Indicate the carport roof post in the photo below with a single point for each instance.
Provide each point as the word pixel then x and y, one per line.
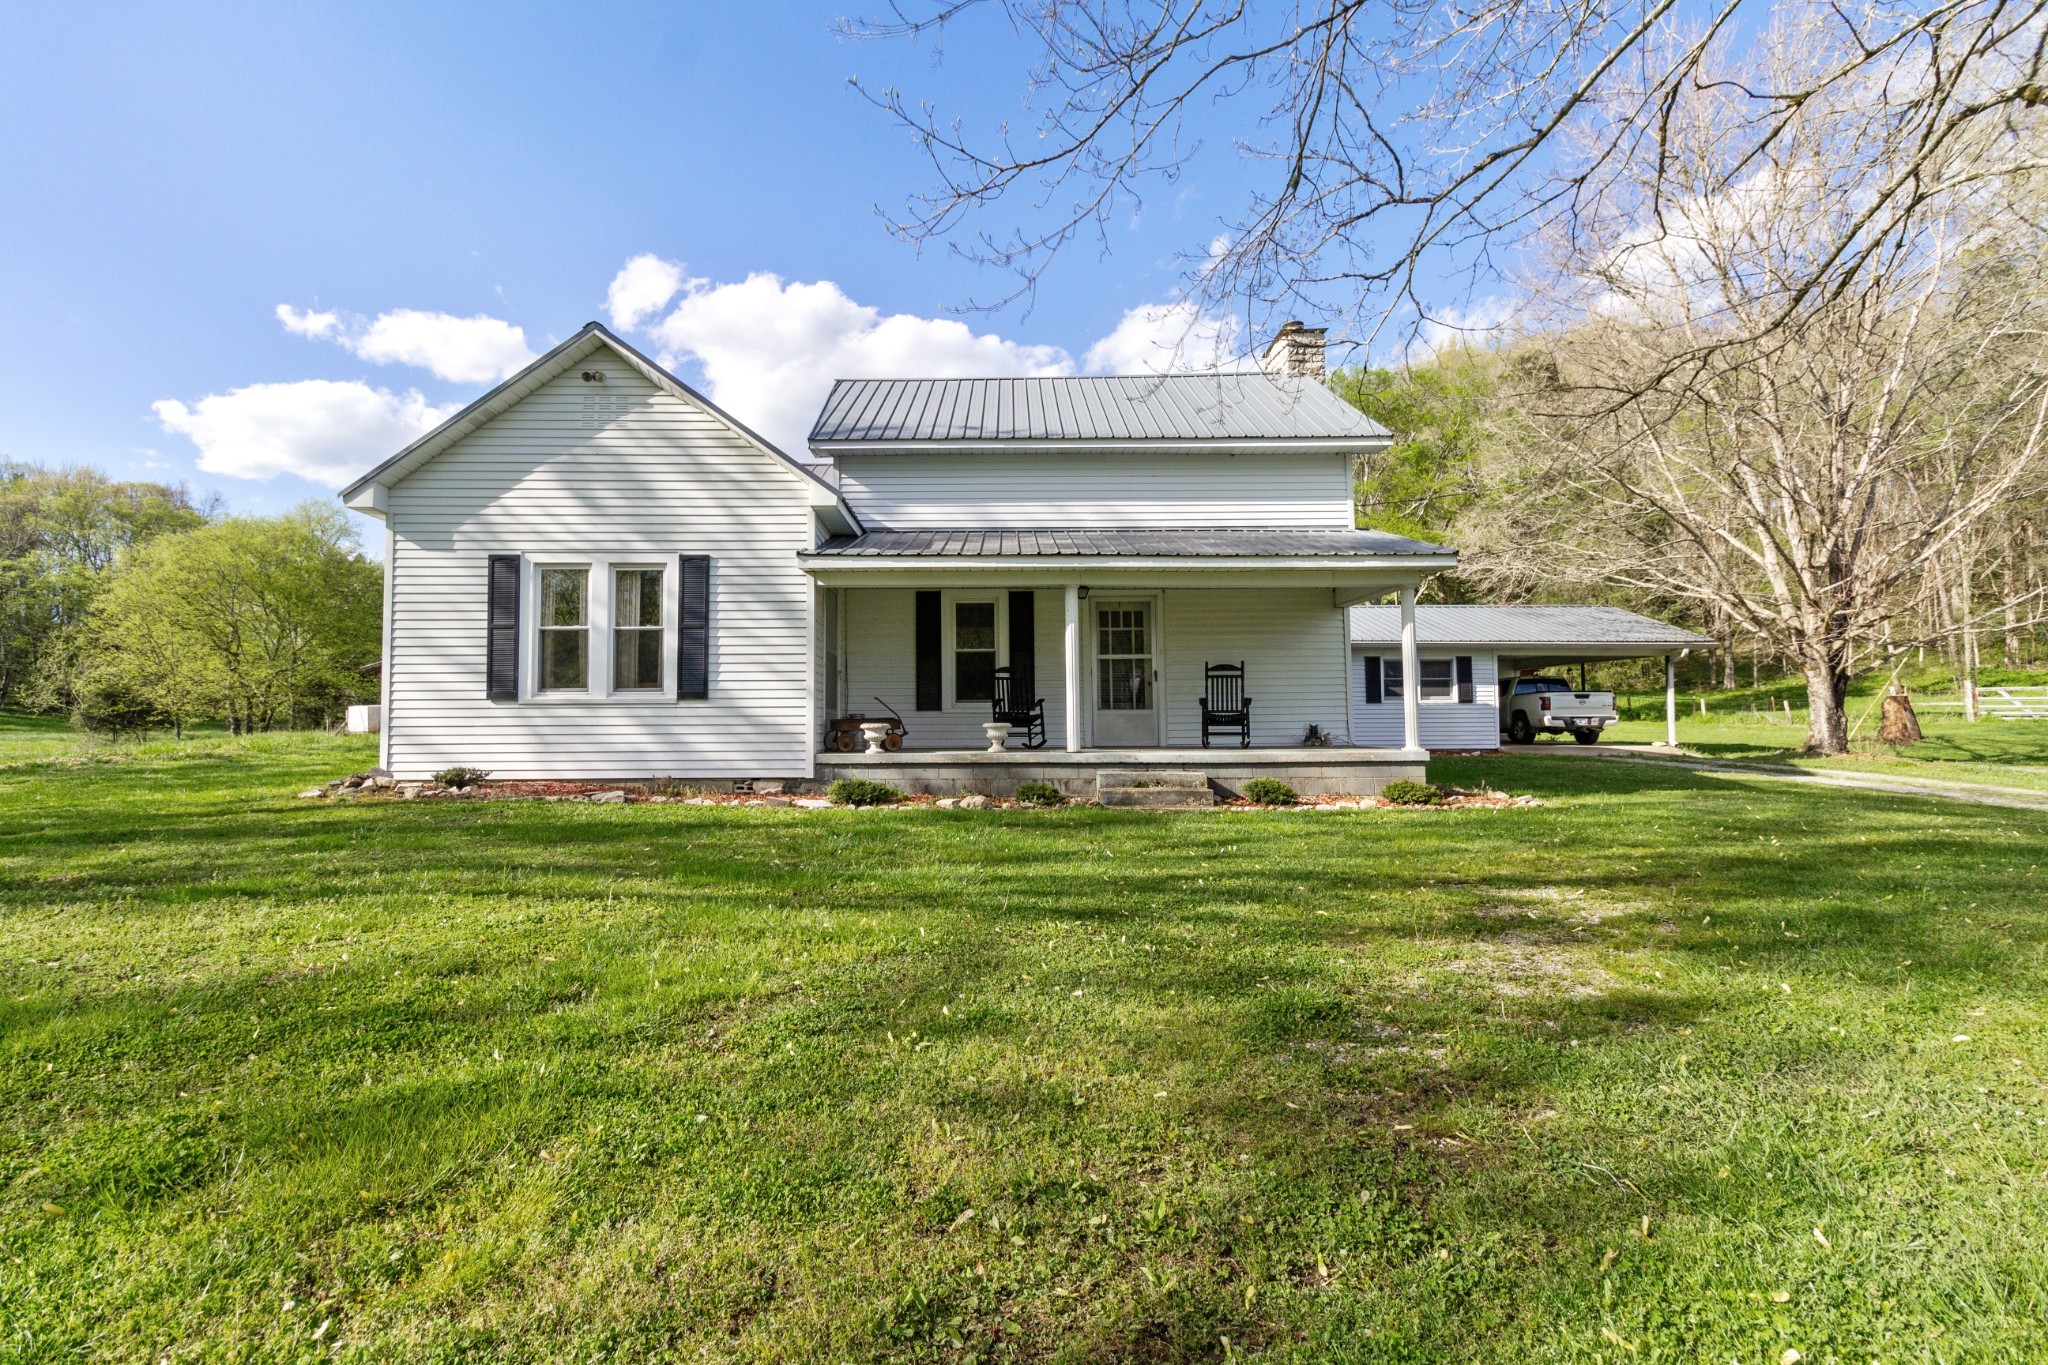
pixel 1671 697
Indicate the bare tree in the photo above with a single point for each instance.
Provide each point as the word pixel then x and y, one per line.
pixel 1805 463
pixel 1404 139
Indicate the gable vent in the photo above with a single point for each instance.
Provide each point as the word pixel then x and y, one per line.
pixel 602 409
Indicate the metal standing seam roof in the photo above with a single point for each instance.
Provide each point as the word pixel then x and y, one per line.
pixel 1244 406
pixel 1264 543
pixel 1543 626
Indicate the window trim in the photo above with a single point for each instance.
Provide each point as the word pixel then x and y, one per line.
pixel 664 641
pixel 540 628
pixel 598 613
pixel 1390 668
pixel 949 686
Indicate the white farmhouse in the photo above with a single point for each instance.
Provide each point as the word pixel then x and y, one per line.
pixel 592 571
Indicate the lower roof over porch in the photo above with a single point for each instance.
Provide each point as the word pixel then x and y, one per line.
pixel 1249 555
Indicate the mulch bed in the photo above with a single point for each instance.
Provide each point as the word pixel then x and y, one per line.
pixel 630 793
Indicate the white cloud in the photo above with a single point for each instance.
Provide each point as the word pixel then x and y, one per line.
pixel 641 289
pixel 1165 338
pixel 308 323
pixel 325 430
pixel 1447 328
pixel 476 350
pixel 769 349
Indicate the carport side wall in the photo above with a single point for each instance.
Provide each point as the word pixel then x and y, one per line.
pixel 1444 724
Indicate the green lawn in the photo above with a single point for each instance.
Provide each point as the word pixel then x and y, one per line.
pixel 2001 753
pixel 1672 1068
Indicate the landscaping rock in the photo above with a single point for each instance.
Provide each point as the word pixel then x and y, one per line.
pixel 813 803
pixel 313 792
pixel 699 801
pixel 946 802
pixel 611 798
pixel 976 801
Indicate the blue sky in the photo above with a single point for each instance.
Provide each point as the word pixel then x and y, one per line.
pixel 426 193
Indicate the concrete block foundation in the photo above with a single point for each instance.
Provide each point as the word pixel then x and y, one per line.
pixel 1312 772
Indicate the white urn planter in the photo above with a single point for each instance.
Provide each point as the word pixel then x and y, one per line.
pixel 998 732
pixel 876 731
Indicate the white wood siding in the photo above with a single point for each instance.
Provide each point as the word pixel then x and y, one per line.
pixel 575 470
pixel 1445 724
pixel 1291 641
pixel 1102 489
pixel 881 661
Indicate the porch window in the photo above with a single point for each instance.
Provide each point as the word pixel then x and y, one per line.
pixel 1123 659
pixel 1439 680
pixel 974 651
pixel 565 629
pixel 636 630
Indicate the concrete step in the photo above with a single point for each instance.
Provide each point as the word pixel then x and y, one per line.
pixel 1154 789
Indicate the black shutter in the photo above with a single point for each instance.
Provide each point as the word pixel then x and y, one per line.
pixel 501 635
pixel 1465 678
pixel 930 687
pixel 693 629
pixel 1023 646
pixel 1375 693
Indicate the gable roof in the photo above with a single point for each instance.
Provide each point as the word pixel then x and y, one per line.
pixel 1247 407
pixel 593 337
pixel 1546 629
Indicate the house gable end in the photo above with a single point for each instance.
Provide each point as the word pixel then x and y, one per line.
pixel 594 351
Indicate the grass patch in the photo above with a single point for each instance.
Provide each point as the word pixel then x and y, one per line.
pixel 412 1081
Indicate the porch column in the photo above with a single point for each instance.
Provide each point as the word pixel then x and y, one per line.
pixel 1671 700
pixel 1411 676
pixel 1073 667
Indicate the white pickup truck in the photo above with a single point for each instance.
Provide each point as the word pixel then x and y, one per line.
pixel 1535 705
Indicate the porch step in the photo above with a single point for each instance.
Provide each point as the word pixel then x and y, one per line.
pixel 1154 788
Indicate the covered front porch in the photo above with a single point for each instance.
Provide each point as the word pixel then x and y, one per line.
pixel 1114 654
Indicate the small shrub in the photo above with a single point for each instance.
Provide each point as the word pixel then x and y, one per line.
pixel 671 786
pixel 1039 794
pixel 1402 792
pixel 108 706
pixel 1269 791
pixel 460 778
pixel 859 791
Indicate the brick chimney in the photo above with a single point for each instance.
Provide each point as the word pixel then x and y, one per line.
pixel 1295 352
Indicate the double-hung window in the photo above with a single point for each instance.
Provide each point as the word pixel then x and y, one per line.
pixel 1439 680
pixel 605 628
pixel 974 651
pixel 565 629
pixel 636 630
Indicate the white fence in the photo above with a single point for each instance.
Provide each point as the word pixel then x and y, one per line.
pixel 1999 703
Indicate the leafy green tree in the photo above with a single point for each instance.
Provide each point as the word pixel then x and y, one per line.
pixel 61 530
pixel 1439 414
pixel 262 622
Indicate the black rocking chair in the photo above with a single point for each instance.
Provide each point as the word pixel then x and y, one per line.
pixel 1226 708
pixel 1013 709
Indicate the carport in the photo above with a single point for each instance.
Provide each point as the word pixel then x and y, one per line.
pixel 1488 645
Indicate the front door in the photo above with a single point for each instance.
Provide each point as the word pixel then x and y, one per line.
pixel 1126 674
